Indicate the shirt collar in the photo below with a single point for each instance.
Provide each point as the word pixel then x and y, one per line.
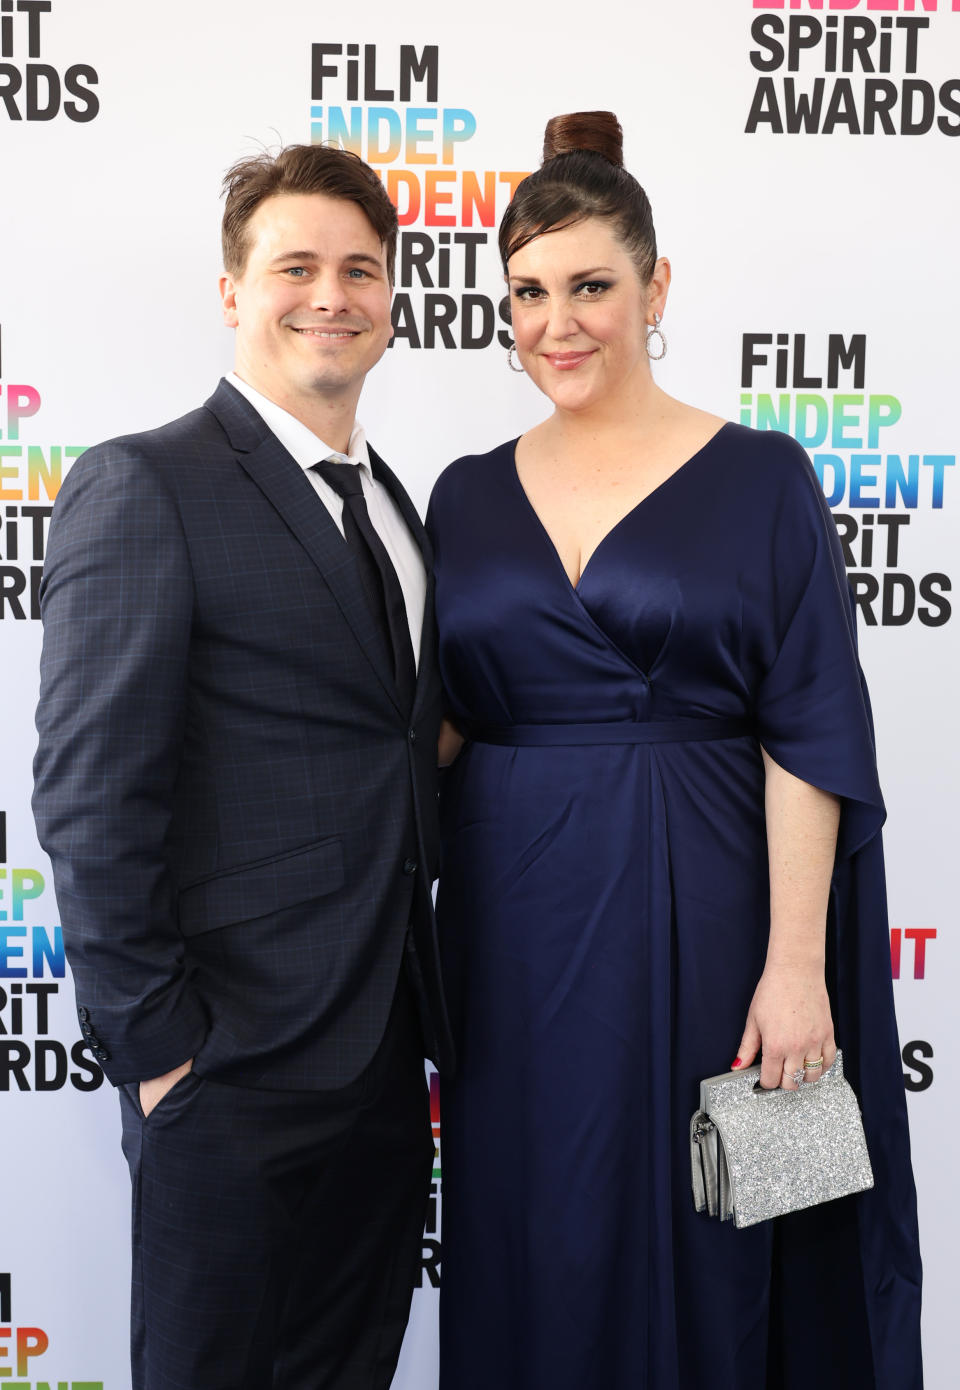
pixel 299 441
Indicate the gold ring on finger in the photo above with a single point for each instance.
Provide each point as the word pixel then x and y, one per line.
pixel 813 1066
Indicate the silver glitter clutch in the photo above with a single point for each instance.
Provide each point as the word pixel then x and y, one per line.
pixel 756 1154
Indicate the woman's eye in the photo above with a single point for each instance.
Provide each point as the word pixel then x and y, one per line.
pixel 528 293
pixel 592 289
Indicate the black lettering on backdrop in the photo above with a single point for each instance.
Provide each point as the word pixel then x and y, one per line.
pixel 45 1066
pixel 443 320
pixel 418 251
pixel 36 91
pixel 32 10
pixel 440 320
pixel 13 587
pixel 45 1063
pixel 412 67
pixel 430 1262
pixel 12 998
pixel 77 81
pixel 911 1054
pixel 38 517
pixel 897 594
pixel 846 73
pixel 852 44
pixel 842 355
pixel 862 531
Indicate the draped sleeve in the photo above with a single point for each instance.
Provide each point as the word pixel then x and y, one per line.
pixel 811 705
pixel 813 718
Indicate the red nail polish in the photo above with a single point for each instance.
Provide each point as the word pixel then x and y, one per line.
pixel 736 1063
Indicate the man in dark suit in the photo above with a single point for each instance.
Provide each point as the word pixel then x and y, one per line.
pixel 236 785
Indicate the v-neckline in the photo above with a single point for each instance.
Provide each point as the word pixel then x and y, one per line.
pixel 512 457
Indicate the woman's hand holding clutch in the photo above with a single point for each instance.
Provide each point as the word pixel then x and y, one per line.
pixel 790 1024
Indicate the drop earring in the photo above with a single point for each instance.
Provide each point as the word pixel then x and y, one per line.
pixel 511 363
pixel 656 332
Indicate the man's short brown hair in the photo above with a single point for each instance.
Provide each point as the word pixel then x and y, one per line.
pixel 302 169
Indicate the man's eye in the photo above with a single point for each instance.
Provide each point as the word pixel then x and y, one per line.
pixel 358 272
pixel 296 271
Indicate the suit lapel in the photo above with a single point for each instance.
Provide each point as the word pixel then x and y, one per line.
pixel 408 511
pixel 428 643
pixel 282 481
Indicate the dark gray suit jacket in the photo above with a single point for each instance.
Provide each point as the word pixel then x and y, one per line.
pixel 240 816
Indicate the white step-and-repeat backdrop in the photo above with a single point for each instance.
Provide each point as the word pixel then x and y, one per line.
pixel 802 159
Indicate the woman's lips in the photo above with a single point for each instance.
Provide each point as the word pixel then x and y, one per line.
pixel 566 361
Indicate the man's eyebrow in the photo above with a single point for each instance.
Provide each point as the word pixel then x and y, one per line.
pixel 355 257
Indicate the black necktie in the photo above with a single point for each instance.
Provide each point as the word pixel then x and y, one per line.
pixel 376 570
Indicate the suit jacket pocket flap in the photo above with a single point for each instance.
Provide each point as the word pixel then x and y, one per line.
pixel 258 890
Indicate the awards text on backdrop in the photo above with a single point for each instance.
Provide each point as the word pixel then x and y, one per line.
pixel 866 82
pixel 32 90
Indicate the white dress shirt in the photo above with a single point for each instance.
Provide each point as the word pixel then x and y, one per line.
pixel 307 449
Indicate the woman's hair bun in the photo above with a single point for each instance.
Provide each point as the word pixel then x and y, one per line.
pixel 591 132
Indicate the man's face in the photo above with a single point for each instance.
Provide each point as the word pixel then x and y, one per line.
pixel 312 305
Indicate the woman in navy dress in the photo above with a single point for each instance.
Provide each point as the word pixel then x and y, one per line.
pixel 662 853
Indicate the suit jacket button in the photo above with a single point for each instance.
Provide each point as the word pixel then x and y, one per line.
pixel 412 735
pixel 102 1055
pixel 409 866
pixel 83 1013
pixel 86 1029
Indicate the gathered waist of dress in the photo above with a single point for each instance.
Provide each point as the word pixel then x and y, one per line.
pixel 622 731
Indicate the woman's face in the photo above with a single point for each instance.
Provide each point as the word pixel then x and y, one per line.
pixel 581 314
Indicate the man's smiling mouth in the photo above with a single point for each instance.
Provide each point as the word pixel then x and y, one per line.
pixel 328 333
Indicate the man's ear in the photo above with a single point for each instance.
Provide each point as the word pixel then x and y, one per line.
pixel 228 297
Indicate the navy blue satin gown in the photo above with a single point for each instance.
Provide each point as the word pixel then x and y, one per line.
pixel 604 916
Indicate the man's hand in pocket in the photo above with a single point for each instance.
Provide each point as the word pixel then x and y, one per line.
pixel 152 1092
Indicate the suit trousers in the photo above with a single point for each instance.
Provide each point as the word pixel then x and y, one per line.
pixel 277 1234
